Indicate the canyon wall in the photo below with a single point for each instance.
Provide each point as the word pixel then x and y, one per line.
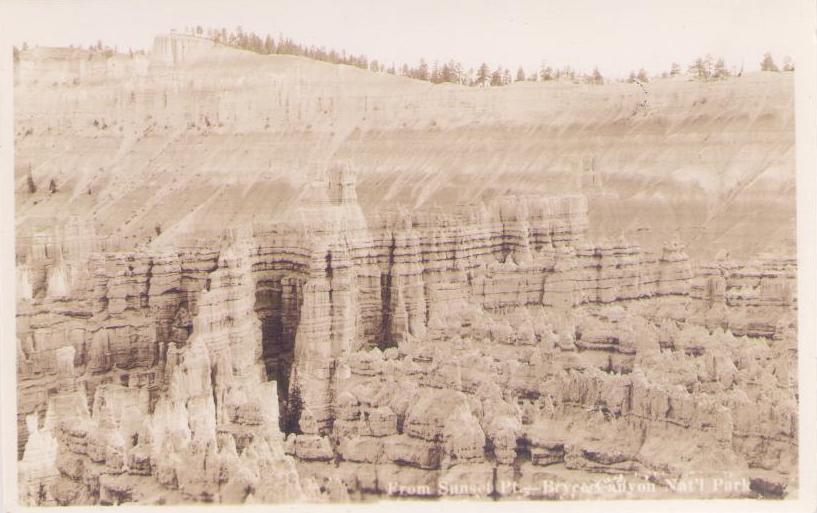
pixel 246 278
pixel 362 343
pixel 221 135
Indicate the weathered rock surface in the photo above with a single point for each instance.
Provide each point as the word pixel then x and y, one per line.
pixel 198 137
pixel 446 347
pixel 352 348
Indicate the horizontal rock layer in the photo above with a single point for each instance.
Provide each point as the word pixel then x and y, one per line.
pixel 335 332
pixel 196 322
pixel 156 140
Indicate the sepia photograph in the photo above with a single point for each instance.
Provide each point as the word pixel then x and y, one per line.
pixel 436 253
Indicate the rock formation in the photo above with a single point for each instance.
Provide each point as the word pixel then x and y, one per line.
pixel 421 348
pixel 346 344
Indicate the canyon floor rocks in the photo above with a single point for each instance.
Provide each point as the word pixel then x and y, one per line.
pixel 249 288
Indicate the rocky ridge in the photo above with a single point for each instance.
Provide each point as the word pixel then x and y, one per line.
pixel 196 138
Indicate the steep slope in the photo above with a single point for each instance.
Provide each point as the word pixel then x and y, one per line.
pixel 199 138
pixel 248 278
pixel 489 344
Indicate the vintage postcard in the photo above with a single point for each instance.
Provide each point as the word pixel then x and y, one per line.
pixel 533 254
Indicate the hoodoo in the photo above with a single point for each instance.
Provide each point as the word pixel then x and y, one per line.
pixel 337 331
pixel 294 280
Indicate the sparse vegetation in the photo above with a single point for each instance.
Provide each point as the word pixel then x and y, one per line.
pixel 437 72
pixel 483 75
pixel 452 71
pixel 701 69
pixel 707 68
pixel 640 77
pixel 596 78
pixel 720 70
pixel 675 69
pixel 32 187
pixel 768 64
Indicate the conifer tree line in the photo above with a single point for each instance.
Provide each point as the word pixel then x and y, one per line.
pixel 703 68
pixel 436 72
pixel 708 68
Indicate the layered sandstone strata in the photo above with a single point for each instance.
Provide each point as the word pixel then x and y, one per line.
pixel 330 356
pixel 198 137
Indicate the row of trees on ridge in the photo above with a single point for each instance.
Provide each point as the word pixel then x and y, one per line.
pixel 703 68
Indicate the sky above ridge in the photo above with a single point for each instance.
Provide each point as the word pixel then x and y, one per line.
pixel 617 36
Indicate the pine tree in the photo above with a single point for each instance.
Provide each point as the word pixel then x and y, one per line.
pixel 788 65
pixel 520 74
pixel 269 45
pixel 642 76
pixel 675 69
pixel 483 75
pixel 506 77
pixel 709 64
pixel 445 73
pixel 767 64
pixel 496 77
pixel 596 77
pixel 546 73
pixel 720 70
pixel 700 69
pixel 422 70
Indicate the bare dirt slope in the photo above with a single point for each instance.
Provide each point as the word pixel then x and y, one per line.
pixel 197 138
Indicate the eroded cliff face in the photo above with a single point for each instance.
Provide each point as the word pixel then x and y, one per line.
pixel 266 279
pixel 331 357
pixel 198 138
